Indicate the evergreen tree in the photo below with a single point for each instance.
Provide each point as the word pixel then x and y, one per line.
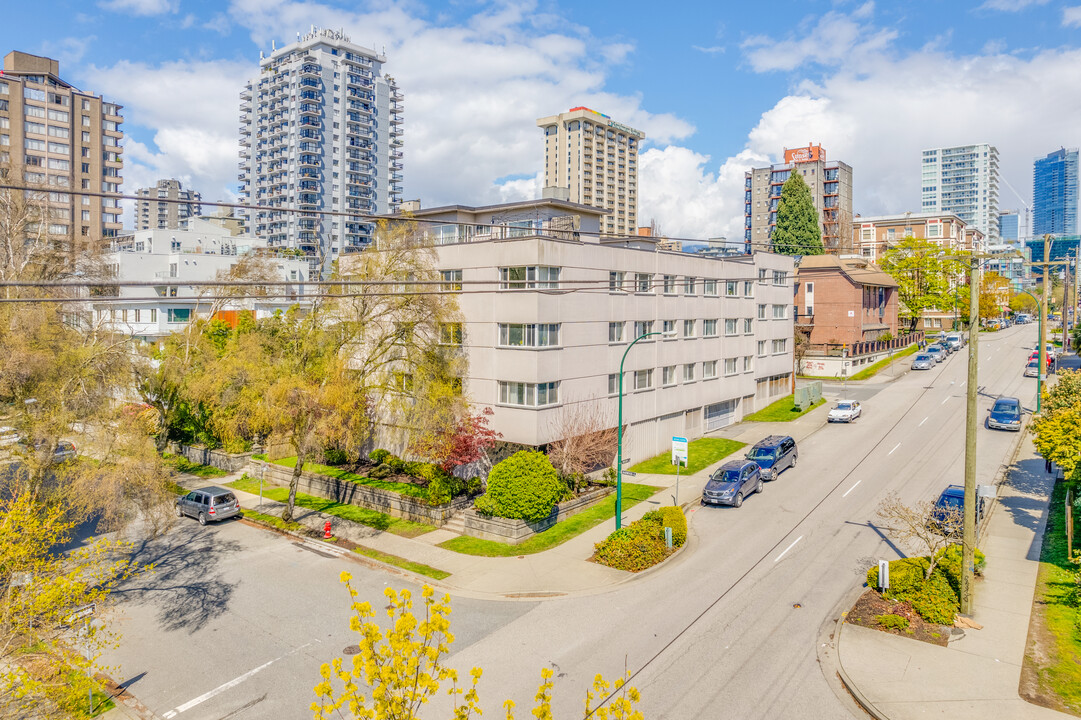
pixel 798 231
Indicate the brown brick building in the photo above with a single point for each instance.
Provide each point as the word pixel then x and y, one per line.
pixel 844 299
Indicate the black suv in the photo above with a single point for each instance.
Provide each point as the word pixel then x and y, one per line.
pixel 773 455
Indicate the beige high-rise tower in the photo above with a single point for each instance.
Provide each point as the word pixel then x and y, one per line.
pixel 590 158
pixel 62 140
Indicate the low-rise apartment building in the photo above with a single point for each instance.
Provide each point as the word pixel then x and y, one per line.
pixel 844 299
pixel 198 252
pixel 559 306
pixel 874 236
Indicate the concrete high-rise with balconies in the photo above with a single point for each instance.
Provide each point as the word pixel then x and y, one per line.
pixel 165 206
pixel 62 140
pixel 963 181
pixel 591 159
pixel 321 133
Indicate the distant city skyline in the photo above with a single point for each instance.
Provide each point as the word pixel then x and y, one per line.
pixel 1054 193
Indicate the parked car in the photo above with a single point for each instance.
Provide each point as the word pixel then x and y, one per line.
pixel 845 411
pixel 1032 369
pixel 731 483
pixel 955 341
pixel 1005 414
pixel 937 352
pixel 208 504
pixel 923 361
pixel 774 455
pixel 1051 351
pixel 1035 355
pixel 952 500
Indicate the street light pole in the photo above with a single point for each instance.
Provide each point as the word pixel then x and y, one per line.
pixel 619 441
pixel 968 547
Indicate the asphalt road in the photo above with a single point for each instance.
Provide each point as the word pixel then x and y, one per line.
pixel 235 622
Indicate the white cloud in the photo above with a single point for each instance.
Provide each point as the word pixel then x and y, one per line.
pixel 141 7
pixel 711 50
pixel 1071 16
pixel 1010 5
pixel 835 39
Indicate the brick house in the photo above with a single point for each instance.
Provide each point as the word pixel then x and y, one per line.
pixel 844 299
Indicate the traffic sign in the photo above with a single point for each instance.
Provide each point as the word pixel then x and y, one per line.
pixel 628 472
pixel 679 450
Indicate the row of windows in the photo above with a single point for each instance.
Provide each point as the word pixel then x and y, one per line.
pixel 528 394
pixel 644 379
pixel 545 277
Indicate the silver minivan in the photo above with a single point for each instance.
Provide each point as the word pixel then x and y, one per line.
pixel 956 341
pixel 208 504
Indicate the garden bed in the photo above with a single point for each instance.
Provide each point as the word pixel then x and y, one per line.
pixel 516 532
pixel 871 606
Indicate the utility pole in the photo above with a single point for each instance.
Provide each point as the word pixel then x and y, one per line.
pixel 968 547
pixel 1046 299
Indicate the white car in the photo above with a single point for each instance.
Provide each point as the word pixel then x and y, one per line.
pixel 845 411
pixel 1050 351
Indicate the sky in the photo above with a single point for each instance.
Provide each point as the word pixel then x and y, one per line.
pixel 718 87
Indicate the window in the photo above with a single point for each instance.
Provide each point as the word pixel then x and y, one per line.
pixel 643 379
pixel 748 363
pixel 780 312
pixel 59 148
pixel 933 231
pixel 780 277
pixel 521 278
pixel 668 375
pixel 668 329
pixel 30 94
pixel 452 279
pixel 529 335
pixel 779 346
pixel 138 315
pixel 709 287
pixel 613 383
pixel 528 394
pixel 669 284
pixel 615 332
pixel 688 328
pixel 709 328
pixel 58 132
pixel 761 312
pixel 33 127
pixel 748 326
pixel 643 283
pixel 748 288
pixel 615 281
pixel 641 327
pixel 688 372
pixel 688 286
pixel 731 288
pixel 761 276
pixel 731 326
pixel 58 115
pixel 761 348
pixel 450 333
pixel 178 315
pixel 730 366
pixel 709 369
pixel 34 111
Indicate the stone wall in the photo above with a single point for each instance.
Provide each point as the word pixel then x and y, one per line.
pixel 391 503
pixel 516 532
pixel 200 455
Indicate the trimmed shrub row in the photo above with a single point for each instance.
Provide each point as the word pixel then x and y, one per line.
pixel 442 486
pixel 641 544
pixel 935 599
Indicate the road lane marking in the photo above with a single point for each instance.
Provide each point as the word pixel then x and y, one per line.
pixel 894 448
pixel 232 683
pixel 788 548
pixel 964 383
pixel 924 420
pixel 944 400
pixel 851 488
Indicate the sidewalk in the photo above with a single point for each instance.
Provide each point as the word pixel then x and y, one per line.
pixel 978 675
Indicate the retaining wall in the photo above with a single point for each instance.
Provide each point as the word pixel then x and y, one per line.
pixel 229 462
pixel 516 531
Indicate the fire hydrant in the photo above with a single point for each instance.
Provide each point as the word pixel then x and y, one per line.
pixel 326 530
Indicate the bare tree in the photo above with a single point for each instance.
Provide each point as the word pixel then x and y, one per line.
pixel 587 438
pixel 922 527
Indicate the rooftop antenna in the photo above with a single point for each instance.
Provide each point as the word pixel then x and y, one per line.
pixel 273 46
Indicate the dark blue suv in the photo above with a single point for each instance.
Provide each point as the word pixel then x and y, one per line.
pixel 732 482
pixel 949 509
pixel 774 455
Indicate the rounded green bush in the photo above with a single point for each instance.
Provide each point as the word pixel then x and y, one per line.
pixel 524 486
pixel 635 547
pixel 674 518
pixel 936 601
pixel 379 456
pixel 380 472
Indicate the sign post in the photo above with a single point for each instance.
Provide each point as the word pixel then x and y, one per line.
pixel 679 457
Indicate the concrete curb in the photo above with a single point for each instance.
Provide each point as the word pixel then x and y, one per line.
pixel 852 688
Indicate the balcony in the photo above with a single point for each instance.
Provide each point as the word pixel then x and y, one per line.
pixel 310 70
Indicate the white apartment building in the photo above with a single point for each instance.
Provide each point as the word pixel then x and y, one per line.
pixel 320 131
pixel 166 205
pixel 590 158
pixel 963 181
pixel 197 252
pixel 562 304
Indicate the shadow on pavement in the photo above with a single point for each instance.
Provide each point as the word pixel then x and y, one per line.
pixel 185 584
pixel 1028 477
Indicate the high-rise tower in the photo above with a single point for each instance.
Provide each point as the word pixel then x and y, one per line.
pixel 963 180
pixel 1054 193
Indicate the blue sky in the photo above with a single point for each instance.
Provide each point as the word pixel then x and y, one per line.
pixel 718 87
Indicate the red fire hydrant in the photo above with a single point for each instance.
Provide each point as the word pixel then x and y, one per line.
pixel 326 530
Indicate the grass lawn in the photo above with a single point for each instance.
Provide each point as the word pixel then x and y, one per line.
pixel 701 453
pixel 272 520
pixel 182 464
pixel 334 472
pixel 881 364
pixel 559 533
pixel 353 513
pixel 419 568
pixel 1058 667
pixel 782 410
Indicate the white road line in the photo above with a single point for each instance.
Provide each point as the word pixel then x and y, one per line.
pixel 894 449
pixel 851 488
pixel 944 400
pixel 232 683
pixel 964 383
pixel 788 548
pixel 924 420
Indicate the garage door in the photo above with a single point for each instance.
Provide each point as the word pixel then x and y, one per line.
pixel 720 414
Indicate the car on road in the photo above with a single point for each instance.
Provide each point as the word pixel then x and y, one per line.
pixel 845 411
pixel 1005 414
pixel 923 361
pixel 208 504
pixel 774 455
pixel 949 508
pixel 1051 351
pixel 732 482
pixel 937 352
pixel 1032 369
pixel 955 341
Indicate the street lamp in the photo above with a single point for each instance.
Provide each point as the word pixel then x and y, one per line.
pixel 619 442
pixel 1040 360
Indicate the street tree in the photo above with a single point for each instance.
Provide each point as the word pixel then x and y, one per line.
pixel 797 231
pixel 927 275
pixel 462 441
pixel 1057 429
pixel 587 434
pixel 1023 303
pixel 994 294
pixel 922 528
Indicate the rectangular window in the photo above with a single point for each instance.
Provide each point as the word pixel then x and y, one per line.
pixel 668 375
pixel 615 332
pixel 761 312
pixel 643 283
pixel 613 383
pixel 779 346
pixel 731 288
pixel 30 94
pixel 780 312
pixel 748 363
pixel 761 348
pixel 730 366
pixel 452 280
pixel 748 326
pixel 59 148
pixel 668 329
pixel 179 315
pixel 731 326
pixel 688 286
pixel 58 115
pixel 528 394
pixel 58 132
pixel 528 335
pixel 34 111
pixel 709 369
pixel 748 288
pixel 688 372
pixel 669 284
pixel 762 276
pixel 709 288
pixel 709 328
pixel 450 333
pixel 528 277
pixel 615 281
pixel 641 327
pixel 33 127
pixel 153 314
pixel 643 379
pixel 780 277
pixel 57 164
pixel 688 328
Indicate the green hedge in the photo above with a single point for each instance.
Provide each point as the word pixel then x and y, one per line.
pixel 442 486
pixel 524 486
pixel 937 599
pixel 641 544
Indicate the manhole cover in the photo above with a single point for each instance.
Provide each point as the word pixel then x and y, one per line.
pixel 351 650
